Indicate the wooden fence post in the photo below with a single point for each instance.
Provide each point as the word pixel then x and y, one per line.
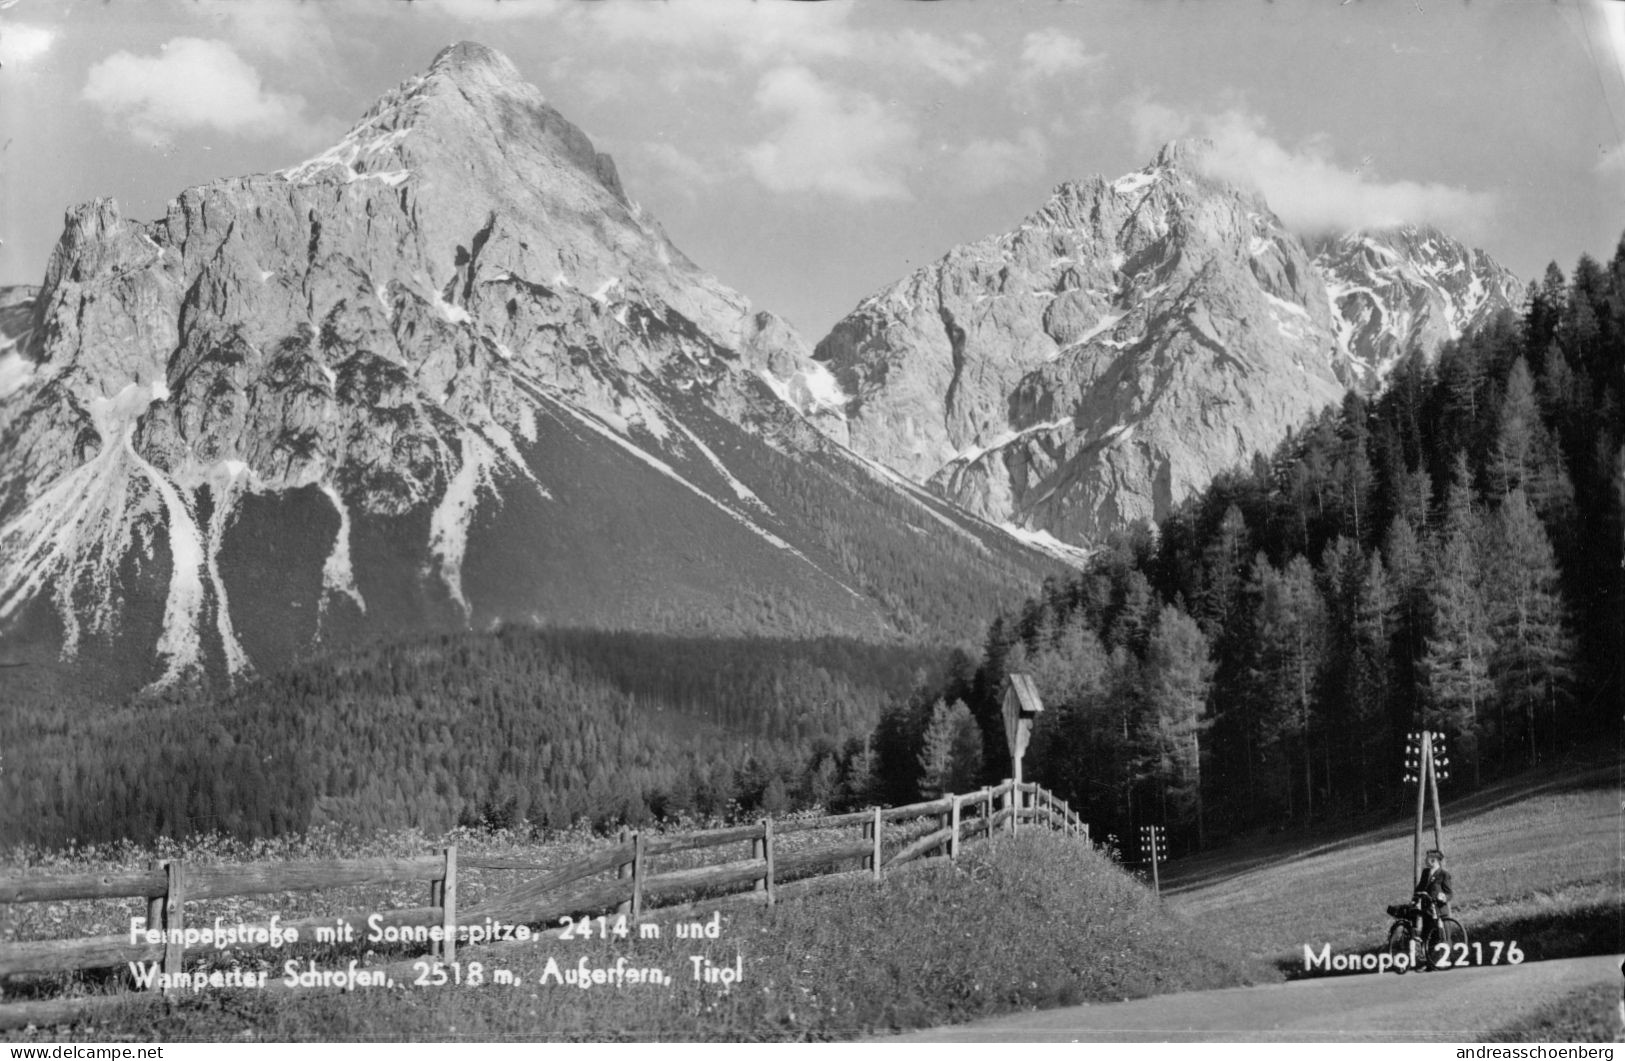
pixel 1013 801
pixel 448 907
pixel 155 903
pixel 953 839
pixel 987 811
pixel 767 855
pixel 758 850
pixel 174 919
pixel 879 824
pixel 637 874
pixel 437 894
pixel 623 871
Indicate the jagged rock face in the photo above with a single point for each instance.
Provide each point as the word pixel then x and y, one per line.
pixel 16 313
pixel 1412 288
pixel 1109 356
pixel 444 373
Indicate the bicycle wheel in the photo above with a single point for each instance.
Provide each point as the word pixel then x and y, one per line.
pixel 1400 941
pixel 1447 944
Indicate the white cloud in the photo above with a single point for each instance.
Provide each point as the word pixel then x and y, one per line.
pixel 192 84
pixel 681 79
pixel 285 29
pixel 956 62
pixel 828 139
pixel 682 169
pixel 758 33
pixel 773 33
pixel 983 165
pixel 21 43
pixel 1305 186
pixel 493 11
pixel 1613 21
pixel 1053 55
pixel 1155 124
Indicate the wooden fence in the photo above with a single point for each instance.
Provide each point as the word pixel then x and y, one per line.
pixel 620 879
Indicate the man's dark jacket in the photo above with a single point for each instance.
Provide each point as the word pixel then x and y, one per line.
pixel 1435 884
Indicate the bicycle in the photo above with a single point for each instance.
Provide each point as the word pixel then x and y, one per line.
pixel 1406 930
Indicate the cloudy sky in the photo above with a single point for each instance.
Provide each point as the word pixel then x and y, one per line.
pixel 808 154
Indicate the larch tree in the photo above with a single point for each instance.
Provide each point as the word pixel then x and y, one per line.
pixel 1371 674
pixel 1525 455
pixel 1291 625
pixel 1456 661
pixel 1176 675
pixel 965 765
pixel 950 751
pixel 1533 661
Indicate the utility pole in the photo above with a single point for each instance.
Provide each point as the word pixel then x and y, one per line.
pixel 1426 763
pixel 1154 841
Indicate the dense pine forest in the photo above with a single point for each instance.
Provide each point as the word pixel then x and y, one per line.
pixel 1446 555
pixel 522 727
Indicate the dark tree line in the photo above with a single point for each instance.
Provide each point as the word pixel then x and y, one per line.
pixel 1446 555
pixel 523 727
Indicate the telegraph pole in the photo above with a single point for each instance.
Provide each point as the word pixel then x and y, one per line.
pixel 1426 763
pixel 1154 840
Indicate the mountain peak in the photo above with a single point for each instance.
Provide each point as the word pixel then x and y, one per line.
pixel 1184 152
pixel 473 59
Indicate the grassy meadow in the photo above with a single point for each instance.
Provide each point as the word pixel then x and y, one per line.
pixel 1535 860
pixel 1024 922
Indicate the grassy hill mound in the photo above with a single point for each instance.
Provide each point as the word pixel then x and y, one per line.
pixel 1016 923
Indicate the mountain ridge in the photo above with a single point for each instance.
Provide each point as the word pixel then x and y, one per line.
pixel 1128 340
pixel 443 374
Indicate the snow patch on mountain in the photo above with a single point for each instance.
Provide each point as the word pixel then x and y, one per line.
pixel 972 454
pixel 1134 182
pixel 1042 539
pixel 340 160
pixel 16 372
pixel 671 473
pixel 228 483
pixel 741 491
pixel 338 576
pixel 449 525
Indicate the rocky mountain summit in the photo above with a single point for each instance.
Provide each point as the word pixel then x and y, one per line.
pixel 1128 341
pixel 1121 346
pixel 445 373
pixel 1405 289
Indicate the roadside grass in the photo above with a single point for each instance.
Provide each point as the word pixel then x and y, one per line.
pixel 1589 1015
pixel 1016 923
pixel 1537 865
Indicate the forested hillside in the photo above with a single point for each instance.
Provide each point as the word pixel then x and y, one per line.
pixel 1447 555
pixel 522 726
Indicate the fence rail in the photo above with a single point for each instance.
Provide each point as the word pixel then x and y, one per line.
pixel 570 889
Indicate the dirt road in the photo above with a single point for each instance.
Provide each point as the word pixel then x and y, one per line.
pixel 1454 1006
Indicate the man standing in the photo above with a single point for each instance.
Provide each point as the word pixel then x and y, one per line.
pixel 1433 896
